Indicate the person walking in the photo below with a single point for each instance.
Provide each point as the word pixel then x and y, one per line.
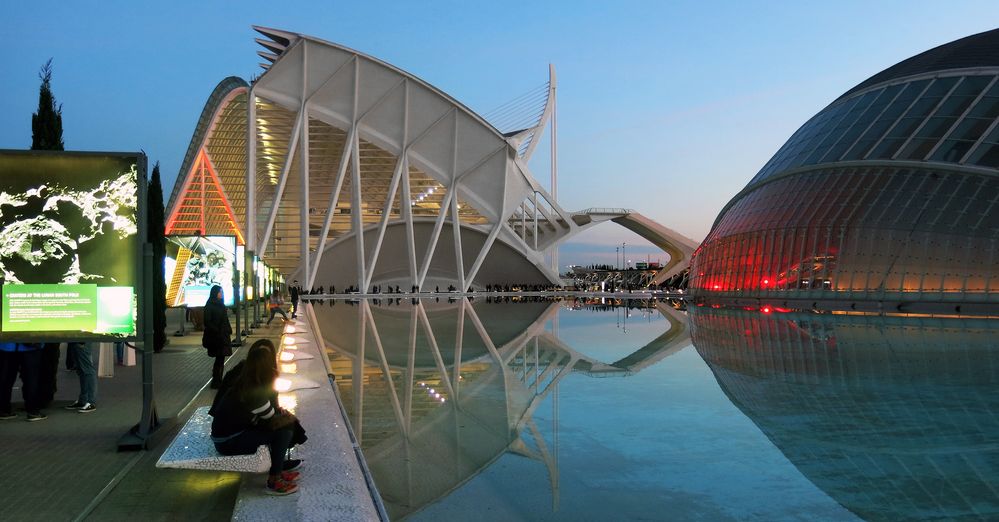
pixel 246 418
pixel 24 360
pixel 218 333
pixel 275 306
pixel 87 372
pixel 294 290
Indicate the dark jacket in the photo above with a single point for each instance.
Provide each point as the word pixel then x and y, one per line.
pixel 218 333
pixel 235 414
pixel 226 425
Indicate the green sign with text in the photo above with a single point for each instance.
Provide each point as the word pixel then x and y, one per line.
pixel 62 307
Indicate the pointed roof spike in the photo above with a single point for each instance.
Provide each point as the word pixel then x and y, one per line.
pixel 268 56
pixel 270 46
pixel 282 37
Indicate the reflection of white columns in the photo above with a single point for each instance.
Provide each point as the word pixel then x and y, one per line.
pixel 435 349
pixel 357 375
pixel 386 371
pixel 458 339
pixel 411 368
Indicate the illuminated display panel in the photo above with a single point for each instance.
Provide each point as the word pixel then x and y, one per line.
pixel 195 264
pixel 70 232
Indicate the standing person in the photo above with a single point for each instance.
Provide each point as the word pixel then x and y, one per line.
pixel 275 306
pixel 294 290
pixel 246 418
pixel 26 360
pixel 47 386
pixel 85 370
pixel 218 333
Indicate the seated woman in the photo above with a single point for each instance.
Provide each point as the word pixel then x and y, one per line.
pixel 246 416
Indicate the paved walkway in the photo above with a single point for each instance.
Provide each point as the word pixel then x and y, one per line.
pixel 67 467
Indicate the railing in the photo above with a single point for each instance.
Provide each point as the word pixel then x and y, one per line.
pixel 603 210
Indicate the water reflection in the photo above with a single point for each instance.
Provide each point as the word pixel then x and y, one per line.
pixel 892 417
pixel 437 391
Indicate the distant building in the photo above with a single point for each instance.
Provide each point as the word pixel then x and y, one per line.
pixel 891 193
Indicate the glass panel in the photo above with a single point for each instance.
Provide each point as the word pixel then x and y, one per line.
pixel 885 121
pixel 987 107
pixel 986 155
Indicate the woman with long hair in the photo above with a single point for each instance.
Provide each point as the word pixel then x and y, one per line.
pixel 246 418
pixel 218 333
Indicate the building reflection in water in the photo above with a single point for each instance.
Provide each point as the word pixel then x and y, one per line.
pixel 437 391
pixel 893 417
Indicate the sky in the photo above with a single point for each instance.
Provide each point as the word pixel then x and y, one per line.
pixel 665 107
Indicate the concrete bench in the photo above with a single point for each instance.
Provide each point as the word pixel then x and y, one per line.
pixel 193 448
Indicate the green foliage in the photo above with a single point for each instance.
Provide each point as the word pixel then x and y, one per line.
pixel 157 226
pixel 46 124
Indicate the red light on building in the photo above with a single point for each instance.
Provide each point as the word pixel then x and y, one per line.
pixel 765 309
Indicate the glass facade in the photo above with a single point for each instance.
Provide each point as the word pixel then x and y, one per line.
pixel 888 193
pixel 938 119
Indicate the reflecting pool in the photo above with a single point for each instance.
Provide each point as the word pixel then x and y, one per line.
pixel 573 410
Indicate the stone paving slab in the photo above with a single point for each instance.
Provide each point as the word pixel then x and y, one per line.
pixel 67 467
pixel 55 468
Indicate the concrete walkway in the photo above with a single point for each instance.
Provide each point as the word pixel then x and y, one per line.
pixel 67 467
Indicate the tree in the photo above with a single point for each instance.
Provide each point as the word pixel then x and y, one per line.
pixel 46 124
pixel 157 225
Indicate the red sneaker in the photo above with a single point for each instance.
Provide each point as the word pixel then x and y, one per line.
pixel 280 487
pixel 289 476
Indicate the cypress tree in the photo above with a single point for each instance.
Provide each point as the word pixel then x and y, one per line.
pixel 46 124
pixel 156 221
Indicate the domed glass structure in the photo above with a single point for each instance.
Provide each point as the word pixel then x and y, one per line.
pixel 888 194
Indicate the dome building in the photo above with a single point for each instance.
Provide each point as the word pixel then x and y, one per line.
pixel 888 194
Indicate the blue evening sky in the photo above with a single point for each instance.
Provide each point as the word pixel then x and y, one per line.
pixel 668 108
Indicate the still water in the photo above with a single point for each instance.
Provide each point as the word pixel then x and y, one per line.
pixel 574 410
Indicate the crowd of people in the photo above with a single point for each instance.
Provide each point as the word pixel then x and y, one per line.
pixel 295 290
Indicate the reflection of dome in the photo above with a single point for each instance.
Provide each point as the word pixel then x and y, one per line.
pixel 893 418
pixel 886 194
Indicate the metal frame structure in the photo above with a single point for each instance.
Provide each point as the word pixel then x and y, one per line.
pixel 356 172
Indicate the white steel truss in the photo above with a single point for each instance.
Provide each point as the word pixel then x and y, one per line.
pixel 348 152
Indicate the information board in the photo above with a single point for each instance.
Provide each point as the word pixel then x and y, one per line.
pixel 70 245
pixel 196 263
